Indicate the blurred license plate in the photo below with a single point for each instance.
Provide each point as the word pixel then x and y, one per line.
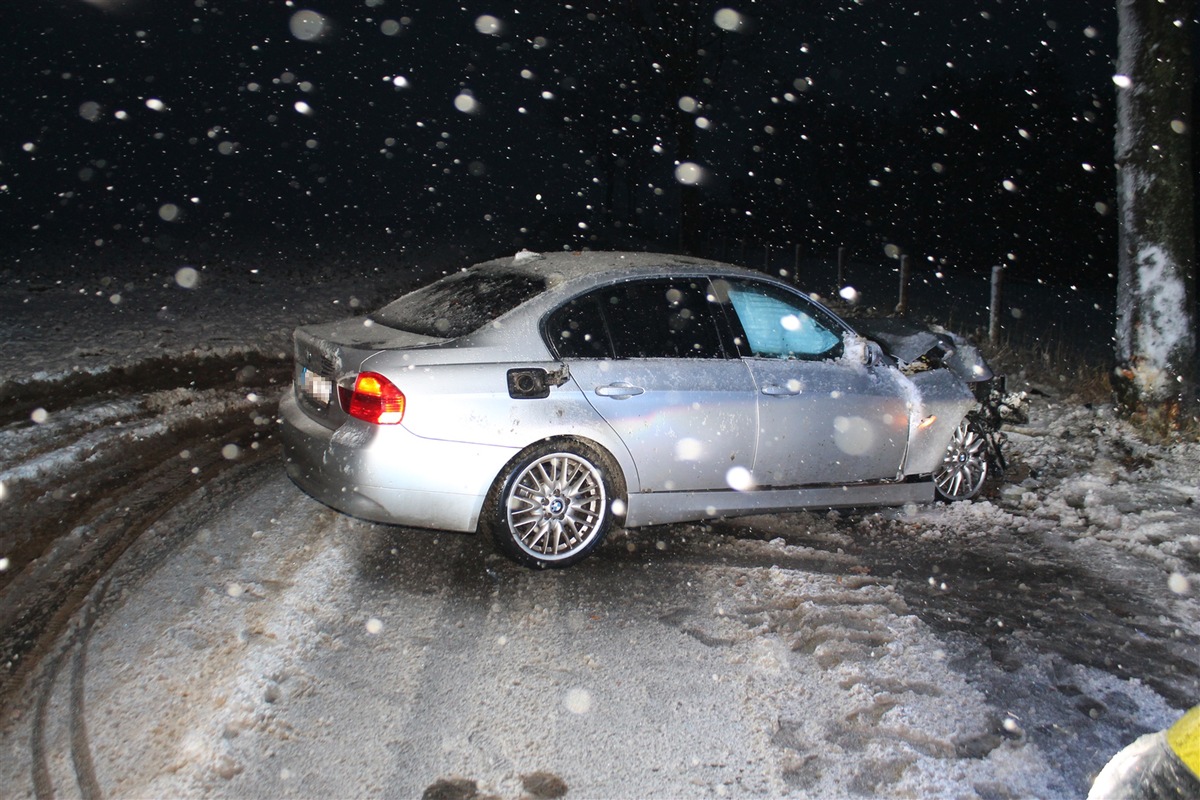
pixel 317 387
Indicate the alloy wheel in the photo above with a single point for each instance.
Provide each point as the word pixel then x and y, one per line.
pixel 965 465
pixel 556 506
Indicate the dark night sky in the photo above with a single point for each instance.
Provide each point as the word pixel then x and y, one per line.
pixel 977 132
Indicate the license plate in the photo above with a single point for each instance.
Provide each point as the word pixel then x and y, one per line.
pixel 316 387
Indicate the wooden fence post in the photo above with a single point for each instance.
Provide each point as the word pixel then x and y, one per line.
pixel 905 276
pixel 994 319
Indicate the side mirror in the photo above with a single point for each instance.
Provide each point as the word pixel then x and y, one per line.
pixel 875 354
pixel 861 350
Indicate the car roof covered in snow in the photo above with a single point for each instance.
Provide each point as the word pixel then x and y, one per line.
pixel 561 267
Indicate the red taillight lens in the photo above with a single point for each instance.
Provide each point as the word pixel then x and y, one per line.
pixel 376 399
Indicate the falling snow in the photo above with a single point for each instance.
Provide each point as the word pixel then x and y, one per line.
pixel 185 185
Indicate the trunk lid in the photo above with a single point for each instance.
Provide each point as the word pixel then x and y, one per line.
pixel 331 355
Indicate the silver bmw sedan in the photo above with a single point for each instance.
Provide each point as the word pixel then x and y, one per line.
pixel 543 398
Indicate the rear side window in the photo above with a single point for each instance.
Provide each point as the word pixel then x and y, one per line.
pixel 460 303
pixel 642 319
pixel 578 330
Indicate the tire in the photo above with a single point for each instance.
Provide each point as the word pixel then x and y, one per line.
pixel 553 505
pixel 964 468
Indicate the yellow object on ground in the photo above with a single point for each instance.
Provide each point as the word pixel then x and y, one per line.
pixel 1184 739
pixel 1158 766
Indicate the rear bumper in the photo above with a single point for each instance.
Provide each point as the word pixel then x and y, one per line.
pixel 387 474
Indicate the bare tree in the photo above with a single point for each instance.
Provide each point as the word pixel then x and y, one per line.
pixel 1156 289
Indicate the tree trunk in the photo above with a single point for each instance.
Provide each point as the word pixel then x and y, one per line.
pixel 1156 336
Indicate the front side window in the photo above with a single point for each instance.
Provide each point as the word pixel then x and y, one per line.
pixel 778 324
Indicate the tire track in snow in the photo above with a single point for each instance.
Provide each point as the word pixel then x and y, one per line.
pixel 81 752
pixel 71 463
pixel 138 558
pixel 39 600
pixel 80 492
pixel 259 608
pixel 993 588
pixel 73 651
pixel 19 398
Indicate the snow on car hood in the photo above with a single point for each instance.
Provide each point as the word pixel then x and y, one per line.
pixel 901 339
pixel 910 343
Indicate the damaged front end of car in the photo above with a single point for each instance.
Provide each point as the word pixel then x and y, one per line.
pixel 975 454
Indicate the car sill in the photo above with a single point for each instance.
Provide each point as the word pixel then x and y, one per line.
pixel 660 508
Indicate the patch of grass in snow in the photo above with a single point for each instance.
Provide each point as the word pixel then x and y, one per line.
pixel 1055 364
pixel 1166 424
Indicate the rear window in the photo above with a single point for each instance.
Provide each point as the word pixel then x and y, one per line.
pixel 460 303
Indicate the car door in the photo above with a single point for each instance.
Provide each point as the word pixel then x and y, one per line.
pixel 823 418
pixel 649 355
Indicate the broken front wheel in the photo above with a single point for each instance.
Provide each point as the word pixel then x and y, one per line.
pixel 965 466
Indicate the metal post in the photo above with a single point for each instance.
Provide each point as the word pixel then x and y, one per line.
pixel 994 321
pixel 905 276
pixel 841 273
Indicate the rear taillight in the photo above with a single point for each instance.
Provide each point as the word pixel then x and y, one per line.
pixel 375 399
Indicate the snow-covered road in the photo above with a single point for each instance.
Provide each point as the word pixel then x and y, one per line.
pixel 241 640
pixel 251 642
pixel 254 643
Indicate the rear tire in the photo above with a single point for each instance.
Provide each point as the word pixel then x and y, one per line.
pixel 553 505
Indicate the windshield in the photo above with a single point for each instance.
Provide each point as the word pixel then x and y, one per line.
pixel 460 303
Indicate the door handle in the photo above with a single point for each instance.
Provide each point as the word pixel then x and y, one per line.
pixel 779 391
pixel 619 391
